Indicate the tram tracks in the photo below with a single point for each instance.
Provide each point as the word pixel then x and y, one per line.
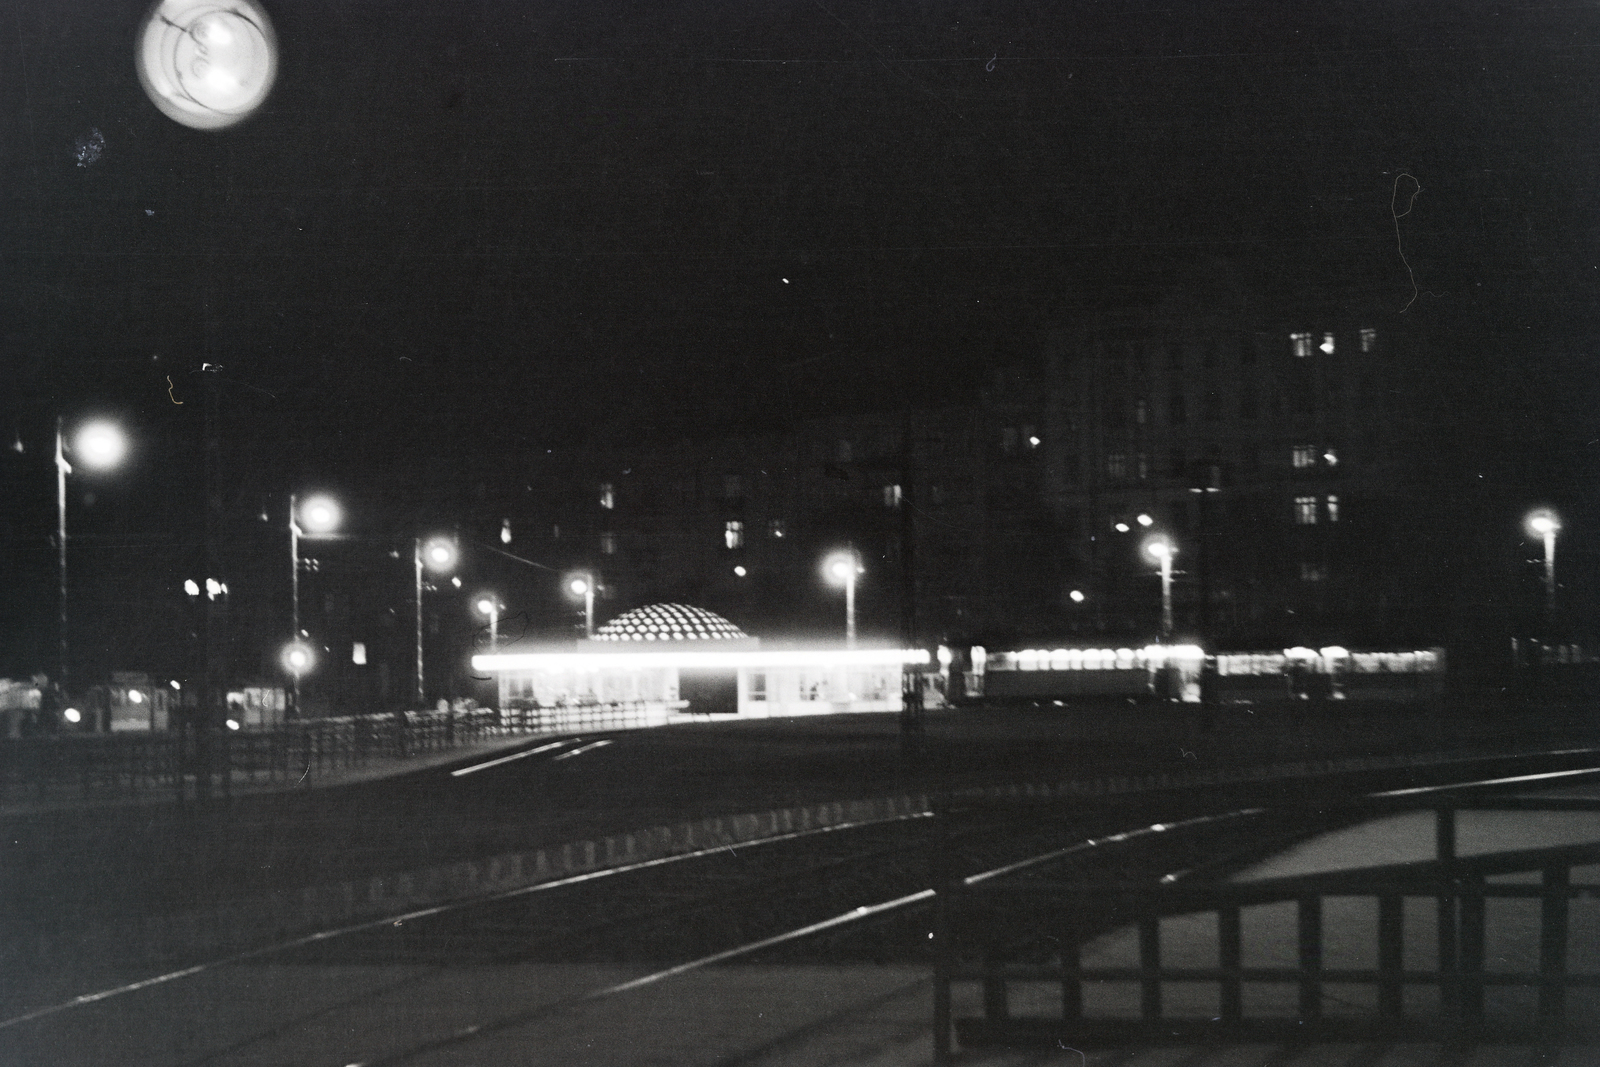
pixel 841 892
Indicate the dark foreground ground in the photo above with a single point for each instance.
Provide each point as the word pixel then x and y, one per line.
pixel 94 865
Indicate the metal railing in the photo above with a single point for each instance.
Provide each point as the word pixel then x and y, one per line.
pixel 616 715
pixel 93 767
pixel 991 935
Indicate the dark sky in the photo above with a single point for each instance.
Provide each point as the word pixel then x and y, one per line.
pixel 502 208
pixel 468 225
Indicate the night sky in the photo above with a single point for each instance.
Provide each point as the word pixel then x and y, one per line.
pixel 461 229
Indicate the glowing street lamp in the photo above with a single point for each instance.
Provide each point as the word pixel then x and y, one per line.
pixel 582 585
pixel 298 658
pixel 98 445
pixel 319 514
pixel 1162 550
pixel 438 555
pixel 316 516
pixel 1544 523
pixel 488 605
pixel 841 568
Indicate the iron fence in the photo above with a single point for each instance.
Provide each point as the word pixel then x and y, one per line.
pixel 68 767
pixel 1005 936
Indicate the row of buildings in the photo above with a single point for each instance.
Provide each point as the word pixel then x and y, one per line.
pixel 1314 470
pixel 1301 471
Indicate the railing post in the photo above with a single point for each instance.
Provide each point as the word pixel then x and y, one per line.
pixel 1230 958
pixel 1444 827
pixel 1309 910
pixel 1391 947
pixel 227 762
pixel 943 951
pixel 1553 946
pixel 1071 983
pixel 995 1005
pixel 1150 968
pixel 1472 944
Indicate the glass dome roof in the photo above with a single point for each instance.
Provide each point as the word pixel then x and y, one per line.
pixel 669 622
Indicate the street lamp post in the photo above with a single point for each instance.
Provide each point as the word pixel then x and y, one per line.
pixel 438 555
pixel 98 445
pixel 841 569
pixel 1544 524
pixel 1162 550
pixel 583 585
pixel 490 606
pixel 320 514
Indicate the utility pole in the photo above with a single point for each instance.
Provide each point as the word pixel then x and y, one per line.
pixel 62 467
pixel 1208 661
pixel 911 696
pixel 213 685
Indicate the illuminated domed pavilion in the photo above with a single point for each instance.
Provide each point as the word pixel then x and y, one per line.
pixel 674 662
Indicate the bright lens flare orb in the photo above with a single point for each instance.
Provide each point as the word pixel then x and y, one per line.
pixel 319 514
pixel 297 658
pixel 100 445
pixel 1543 523
pixel 439 554
pixel 841 569
pixel 207 64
